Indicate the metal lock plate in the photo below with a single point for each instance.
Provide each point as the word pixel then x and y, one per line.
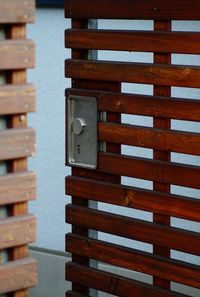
pixel 82 131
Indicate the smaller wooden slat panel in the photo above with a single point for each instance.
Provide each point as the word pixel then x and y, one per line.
pixel 166 140
pixel 17 54
pixel 17 143
pixel 144 73
pixel 144 41
pixel 16 231
pixel 173 270
pixel 137 9
pixel 163 107
pixel 17 11
pixel 17 99
pixel 134 229
pixel 17 187
pixel 156 202
pixel 158 171
pixel 113 284
pixel 18 275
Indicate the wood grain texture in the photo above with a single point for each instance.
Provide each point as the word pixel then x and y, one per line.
pixel 127 227
pixel 17 143
pixel 158 171
pixel 18 275
pixel 17 187
pixel 132 197
pixel 159 154
pixel 137 9
pixel 160 139
pixel 113 284
pixel 17 99
pixel 17 54
pixel 168 269
pixel 139 41
pixel 16 231
pixel 144 73
pixel 159 106
pixel 17 11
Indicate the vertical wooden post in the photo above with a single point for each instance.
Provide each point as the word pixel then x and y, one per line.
pixel 115 148
pixel 161 58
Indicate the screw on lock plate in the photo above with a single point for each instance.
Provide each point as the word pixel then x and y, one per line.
pixel 82 131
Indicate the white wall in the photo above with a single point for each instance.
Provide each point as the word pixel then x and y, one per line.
pixel 49 122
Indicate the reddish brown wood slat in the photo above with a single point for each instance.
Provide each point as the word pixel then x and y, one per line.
pixel 17 143
pixel 173 270
pixel 16 231
pixel 159 106
pixel 17 54
pixel 113 284
pixel 17 11
pixel 157 234
pixel 172 75
pixel 17 187
pixel 144 41
pixel 16 99
pixel 174 141
pixel 156 202
pixel 158 171
pixel 74 294
pixel 18 275
pixel 137 9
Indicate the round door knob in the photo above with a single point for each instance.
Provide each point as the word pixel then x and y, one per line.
pixel 78 126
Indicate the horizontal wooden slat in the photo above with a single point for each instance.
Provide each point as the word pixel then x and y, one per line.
pixel 18 275
pixel 138 9
pixel 144 73
pixel 157 234
pixel 156 202
pixel 164 107
pixel 159 171
pixel 166 140
pixel 105 281
pixel 17 99
pixel 17 187
pixel 17 54
pixel 74 294
pixel 144 41
pixel 17 11
pixel 135 260
pixel 16 231
pixel 17 143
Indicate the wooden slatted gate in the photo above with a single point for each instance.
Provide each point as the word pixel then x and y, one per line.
pixel 17 142
pixel 102 80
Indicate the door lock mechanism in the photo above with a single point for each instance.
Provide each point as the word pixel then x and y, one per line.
pixel 82 131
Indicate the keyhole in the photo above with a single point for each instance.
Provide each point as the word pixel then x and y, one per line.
pixel 79 149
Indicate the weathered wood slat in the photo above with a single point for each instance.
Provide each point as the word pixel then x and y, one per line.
pixel 173 270
pixel 158 171
pixel 17 11
pixel 144 73
pixel 17 143
pixel 17 54
pixel 144 41
pixel 105 281
pixel 173 141
pixel 156 202
pixel 16 99
pixel 163 107
pixel 157 234
pixel 17 187
pixel 138 9
pixel 18 275
pixel 16 231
